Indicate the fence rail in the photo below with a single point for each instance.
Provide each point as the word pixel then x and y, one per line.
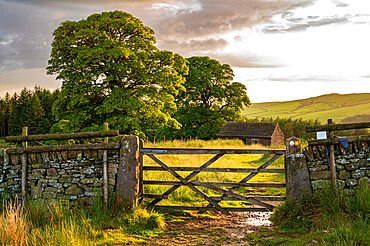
pixel 225 170
pixel 332 127
pixel 335 141
pixel 224 184
pixel 62 136
pixel 194 151
pixel 51 148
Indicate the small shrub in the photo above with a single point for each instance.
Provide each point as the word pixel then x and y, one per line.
pixel 142 220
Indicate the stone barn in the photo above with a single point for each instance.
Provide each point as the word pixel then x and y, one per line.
pixel 253 133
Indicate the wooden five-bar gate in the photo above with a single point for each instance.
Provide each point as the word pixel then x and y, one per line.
pixel 228 188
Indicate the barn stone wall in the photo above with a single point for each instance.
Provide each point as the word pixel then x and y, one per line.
pixel 277 137
pixel 258 140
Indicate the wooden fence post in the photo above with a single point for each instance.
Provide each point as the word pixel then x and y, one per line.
pixel 105 168
pixel 24 167
pixel 332 159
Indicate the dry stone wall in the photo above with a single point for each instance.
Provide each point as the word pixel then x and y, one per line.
pixel 352 166
pixel 65 175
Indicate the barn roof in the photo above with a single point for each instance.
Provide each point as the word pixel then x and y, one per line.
pixel 247 129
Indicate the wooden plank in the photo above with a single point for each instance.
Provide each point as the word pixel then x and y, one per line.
pixel 51 148
pixel 338 127
pixel 199 151
pixel 225 184
pixel 336 141
pixel 155 196
pixel 191 186
pixel 24 168
pixel 231 209
pixel 232 194
pixel 260 198
pixel 233 170
pixel 62 136
pixel 157 182
pixel 190 176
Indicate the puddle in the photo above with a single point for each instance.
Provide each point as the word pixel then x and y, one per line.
pixel 258 219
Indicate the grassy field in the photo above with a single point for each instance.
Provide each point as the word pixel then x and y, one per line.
pixel 185 196
pixel 333 106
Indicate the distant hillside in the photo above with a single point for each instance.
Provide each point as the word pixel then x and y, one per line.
pixel 347 108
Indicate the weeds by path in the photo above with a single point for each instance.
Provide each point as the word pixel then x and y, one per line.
pixel 334 219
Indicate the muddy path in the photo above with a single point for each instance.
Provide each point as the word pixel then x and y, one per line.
pixel 217 229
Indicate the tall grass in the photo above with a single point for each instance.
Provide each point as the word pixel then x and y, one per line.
pixel 56 223
pixel 183 195
pixel 14 227
pixel 345 218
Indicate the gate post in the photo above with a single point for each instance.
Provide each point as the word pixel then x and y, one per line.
pixel 296 172
pixel 127 188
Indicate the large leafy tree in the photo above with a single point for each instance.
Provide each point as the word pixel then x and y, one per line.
pixel 112 71
pixel 210 99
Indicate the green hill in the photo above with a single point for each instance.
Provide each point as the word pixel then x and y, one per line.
pixel 342 108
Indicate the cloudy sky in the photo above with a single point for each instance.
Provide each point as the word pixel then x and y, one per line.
pixel 280 49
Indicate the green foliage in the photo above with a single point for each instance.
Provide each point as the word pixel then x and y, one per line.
pixel 353 234
pixel 112 72
pixel 32 108
pixel 209 99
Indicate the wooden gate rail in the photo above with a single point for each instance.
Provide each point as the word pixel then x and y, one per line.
pixel 226 184
pixel 230 209
pixel 260 198
pixel 224 170
pixel 194 151
pixel 227 195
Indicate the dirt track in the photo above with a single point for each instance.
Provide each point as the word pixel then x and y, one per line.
pixel 218 229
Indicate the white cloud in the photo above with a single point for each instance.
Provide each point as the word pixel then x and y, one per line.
pixel 176 7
